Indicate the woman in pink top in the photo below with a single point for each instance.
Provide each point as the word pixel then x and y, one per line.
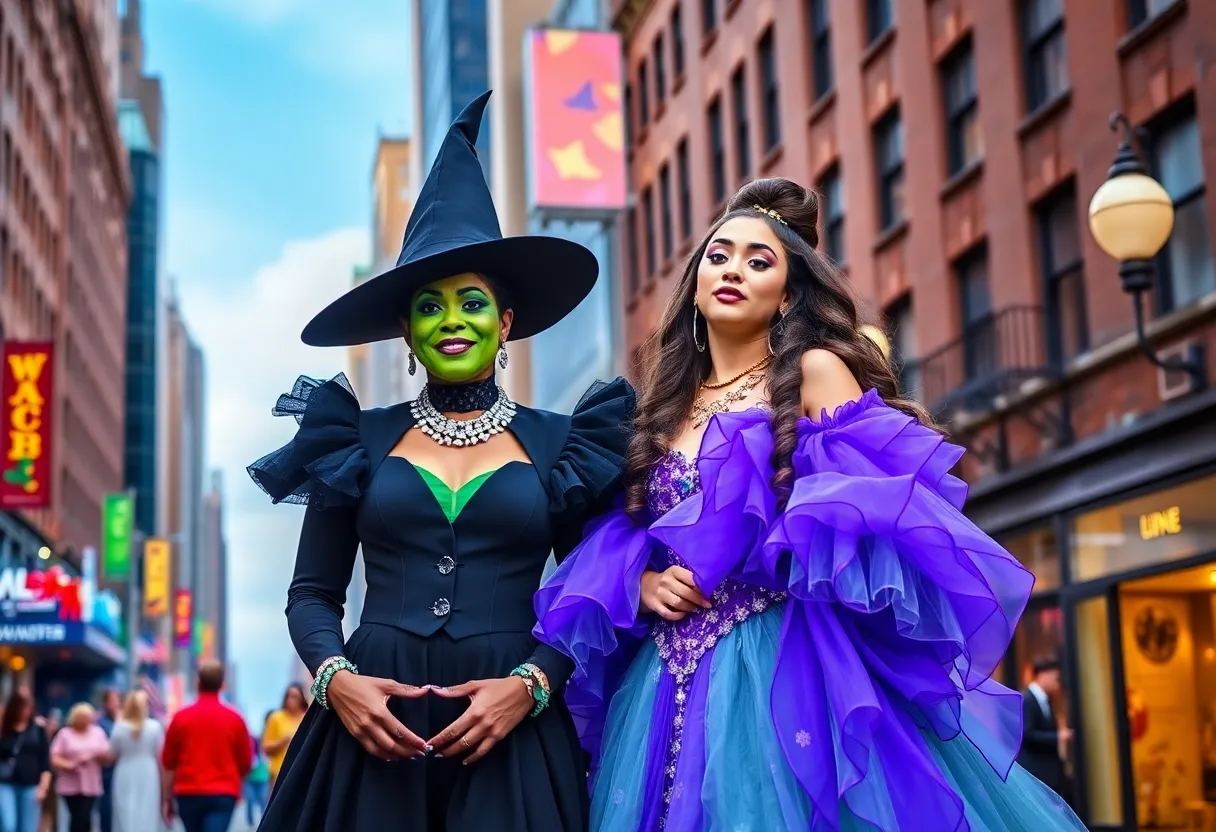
pixel 77 753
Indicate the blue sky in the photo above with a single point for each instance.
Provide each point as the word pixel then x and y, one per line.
pixel 272 113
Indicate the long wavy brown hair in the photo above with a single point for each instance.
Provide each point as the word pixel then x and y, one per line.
pixel 822 313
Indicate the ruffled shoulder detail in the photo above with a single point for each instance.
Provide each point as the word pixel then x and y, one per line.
pixel 868 432
pixel 325 464
pixel 591 462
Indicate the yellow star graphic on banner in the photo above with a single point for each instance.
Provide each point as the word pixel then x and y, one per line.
pixel 611 91
pixel 559 40
pixel 610 131
pixel 572 163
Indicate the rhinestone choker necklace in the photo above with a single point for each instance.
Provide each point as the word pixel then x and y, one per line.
pixel 462 432
pixel 463 398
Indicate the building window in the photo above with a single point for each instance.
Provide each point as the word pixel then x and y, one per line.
pixel 665 210
pixel 648 219
pixel 631 242
pixel 643 96
pixel 685 186
pixel 1185 271
pixel 717 151
pixel 821 48
pixel 677 41
pixel 964 144
pixel 627 106
pixel 889 150
pixel 975 306
pixel 902 336
pixel 660 72
pixel 880 16
pixel 1067 330
pixel 738 102
pixel 768 89
pixel 831 208
pixel 709 16
pixel 1142 11
pixel 1046 54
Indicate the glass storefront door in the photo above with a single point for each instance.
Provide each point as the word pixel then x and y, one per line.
pixel 1167 639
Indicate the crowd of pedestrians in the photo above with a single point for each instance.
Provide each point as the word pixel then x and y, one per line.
pixel 118 769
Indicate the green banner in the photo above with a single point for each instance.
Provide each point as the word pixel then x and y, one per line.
pixel 117 521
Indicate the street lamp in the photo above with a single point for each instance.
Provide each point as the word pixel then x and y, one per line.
pixel 1131 217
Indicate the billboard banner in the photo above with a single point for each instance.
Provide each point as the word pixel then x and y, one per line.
pixel 156 578
pixel 25 443
pixel 576 129
pixel 117 521
pixel 183 619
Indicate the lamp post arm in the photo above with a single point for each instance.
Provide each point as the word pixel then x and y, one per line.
pixel 1193 365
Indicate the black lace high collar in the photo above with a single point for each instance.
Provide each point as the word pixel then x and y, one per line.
pixel 463 398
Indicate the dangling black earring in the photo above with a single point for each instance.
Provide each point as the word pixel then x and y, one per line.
pixel 412 366
pixel 502 355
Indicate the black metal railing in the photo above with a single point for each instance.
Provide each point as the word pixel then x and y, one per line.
pixel 994 356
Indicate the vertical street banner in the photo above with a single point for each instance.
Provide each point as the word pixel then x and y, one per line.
pixel 117 521
pixel 207 648
pixel 183 619
pixel 25 443
pixel 156 578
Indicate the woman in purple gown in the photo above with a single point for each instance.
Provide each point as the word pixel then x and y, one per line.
pixel 790 624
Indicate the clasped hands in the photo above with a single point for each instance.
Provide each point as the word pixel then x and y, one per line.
pixel 361 702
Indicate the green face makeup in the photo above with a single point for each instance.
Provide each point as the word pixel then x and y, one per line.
pixel 455 327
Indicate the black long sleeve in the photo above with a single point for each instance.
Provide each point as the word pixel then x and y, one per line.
pixel 325 561
pixel 1037 738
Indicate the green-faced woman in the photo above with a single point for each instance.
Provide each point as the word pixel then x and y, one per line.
pixel 442 711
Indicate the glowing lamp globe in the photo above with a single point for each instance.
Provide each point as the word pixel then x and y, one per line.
pixel 1131 217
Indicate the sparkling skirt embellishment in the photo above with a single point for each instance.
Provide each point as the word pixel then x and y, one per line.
pixel 681 644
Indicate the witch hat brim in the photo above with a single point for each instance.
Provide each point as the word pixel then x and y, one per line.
pixel 453 230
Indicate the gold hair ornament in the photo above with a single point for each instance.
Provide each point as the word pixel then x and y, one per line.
pixel 771 213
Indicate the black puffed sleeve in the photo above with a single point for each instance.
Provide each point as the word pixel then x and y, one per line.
pixel 583 483
pixel 326 468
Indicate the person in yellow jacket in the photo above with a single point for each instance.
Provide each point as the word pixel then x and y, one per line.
pixel 281 726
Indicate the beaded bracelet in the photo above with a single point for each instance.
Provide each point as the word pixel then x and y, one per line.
pixel 325 673
pixel 537 683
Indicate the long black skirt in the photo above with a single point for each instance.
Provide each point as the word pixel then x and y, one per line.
pixel 534 779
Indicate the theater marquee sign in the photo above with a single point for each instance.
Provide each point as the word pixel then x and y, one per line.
pixel 26 389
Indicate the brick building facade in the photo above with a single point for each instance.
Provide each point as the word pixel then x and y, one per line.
pixel 64 189
pixel 956 145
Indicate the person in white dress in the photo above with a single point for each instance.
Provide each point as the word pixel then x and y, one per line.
pixel 136 744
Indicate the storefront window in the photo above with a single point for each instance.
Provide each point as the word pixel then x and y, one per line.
pixel 1095 680
pixel 1169 525
pixel 1168 630
pixel 1039 551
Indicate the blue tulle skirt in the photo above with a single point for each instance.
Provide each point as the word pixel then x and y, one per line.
pixel 747 784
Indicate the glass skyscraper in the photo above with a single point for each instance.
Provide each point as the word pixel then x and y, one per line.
pixel 143 219
pixel 453 70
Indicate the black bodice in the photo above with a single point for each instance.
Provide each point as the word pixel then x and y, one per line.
pixel 473 576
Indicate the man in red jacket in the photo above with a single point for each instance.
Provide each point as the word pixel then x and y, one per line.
pixel 206 757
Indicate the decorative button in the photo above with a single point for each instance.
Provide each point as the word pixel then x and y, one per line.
pixel 445 565
pixel 441 607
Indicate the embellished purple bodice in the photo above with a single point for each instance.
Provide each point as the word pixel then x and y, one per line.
pixel 682 643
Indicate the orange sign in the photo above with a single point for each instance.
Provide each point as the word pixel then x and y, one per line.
pixel 156 577
pixel 575 121
pixel 183 608
pixel 25 446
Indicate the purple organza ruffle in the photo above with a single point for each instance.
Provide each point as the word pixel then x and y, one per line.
pixel 588 609
pixel 900 608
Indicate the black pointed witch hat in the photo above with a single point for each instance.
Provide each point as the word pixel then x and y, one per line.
pixel 453 230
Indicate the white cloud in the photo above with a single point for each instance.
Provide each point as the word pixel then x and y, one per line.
pixel 251 335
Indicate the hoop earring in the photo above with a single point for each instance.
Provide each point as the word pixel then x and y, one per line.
pixel 700 345
pixel 779 328
pixel 412 366
pixel 502 355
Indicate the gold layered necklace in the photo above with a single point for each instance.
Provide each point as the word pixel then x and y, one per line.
pixel 703 411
